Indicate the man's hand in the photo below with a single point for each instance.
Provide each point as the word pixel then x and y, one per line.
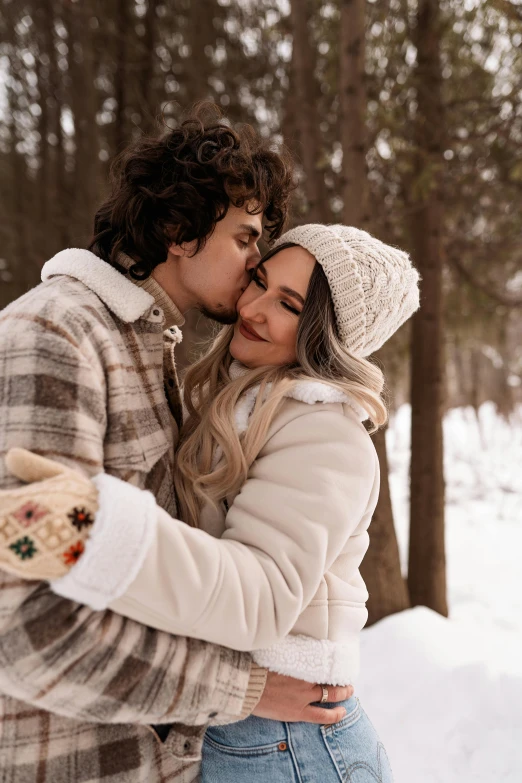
pixel 286 699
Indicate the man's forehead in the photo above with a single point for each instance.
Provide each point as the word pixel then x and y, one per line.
pixel 253 229
pixel 242 218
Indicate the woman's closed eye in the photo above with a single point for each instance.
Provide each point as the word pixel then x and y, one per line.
pixel 260 284
pixel 257 281
pixel 291 309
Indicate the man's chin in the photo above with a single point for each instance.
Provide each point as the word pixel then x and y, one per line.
pixel 220 315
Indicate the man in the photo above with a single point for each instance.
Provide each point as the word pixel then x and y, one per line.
pixel 88 378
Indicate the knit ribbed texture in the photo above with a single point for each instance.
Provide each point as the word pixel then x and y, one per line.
pixel 256 686
pixel 374 286
pixel 173 316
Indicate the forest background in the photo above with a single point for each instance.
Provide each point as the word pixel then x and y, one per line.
pixel 405 118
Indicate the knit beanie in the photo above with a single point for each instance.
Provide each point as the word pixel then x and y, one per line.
pixel 374 286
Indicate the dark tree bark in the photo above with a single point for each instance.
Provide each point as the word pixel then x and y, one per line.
pixel 61 234
pixel 46 190
pixel 427 567
pixel 83 101
pixel 201 38
pixel 352 113
pixel 306 125
pixel 19 245
pixel 123 22
pixel 149 97
pixel 381 567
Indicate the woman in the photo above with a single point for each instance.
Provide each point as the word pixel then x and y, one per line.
pixel 276 465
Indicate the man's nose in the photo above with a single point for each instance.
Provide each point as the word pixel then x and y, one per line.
pixel 253 259
pixel 253 311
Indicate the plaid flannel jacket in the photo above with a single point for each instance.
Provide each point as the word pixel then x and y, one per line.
pixel 82 370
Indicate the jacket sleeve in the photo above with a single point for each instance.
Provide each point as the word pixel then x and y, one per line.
pixel 305 501
pixel 55 654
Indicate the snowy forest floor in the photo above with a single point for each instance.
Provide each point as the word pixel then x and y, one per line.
pixel 446 694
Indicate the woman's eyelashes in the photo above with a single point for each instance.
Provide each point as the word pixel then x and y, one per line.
pixel 259 283
pixel 257 280
pixel 291 309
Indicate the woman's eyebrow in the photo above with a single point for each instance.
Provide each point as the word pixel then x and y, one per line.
pixel 292 293
pixel 285 290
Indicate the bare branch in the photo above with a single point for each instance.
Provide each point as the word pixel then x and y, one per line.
pixel 500 297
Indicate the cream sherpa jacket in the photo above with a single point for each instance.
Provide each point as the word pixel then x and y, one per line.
pixel 279 573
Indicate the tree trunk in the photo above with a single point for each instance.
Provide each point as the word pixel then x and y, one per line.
pixel 381 568
pixel 121 76
pixel 306 118
pixel 45 183
pixel 427 569
pixel 352 112
pixel 202 39
pixel 61 222
pixel 84 103
pixel 21 253
pixel 149 103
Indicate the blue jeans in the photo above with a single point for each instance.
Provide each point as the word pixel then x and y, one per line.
pixel 256 750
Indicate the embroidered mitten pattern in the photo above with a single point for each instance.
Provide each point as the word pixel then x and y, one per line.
pixel 45 524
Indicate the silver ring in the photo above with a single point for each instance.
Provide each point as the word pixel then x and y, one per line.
pixel 324 697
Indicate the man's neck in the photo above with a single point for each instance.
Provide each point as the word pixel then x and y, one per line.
pixel 166 276
pixel 172 314
pixel 152 285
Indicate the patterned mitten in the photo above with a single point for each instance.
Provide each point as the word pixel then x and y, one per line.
pixel 44 525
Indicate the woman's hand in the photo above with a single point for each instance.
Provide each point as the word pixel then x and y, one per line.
pixel 289 700
pixel 44 525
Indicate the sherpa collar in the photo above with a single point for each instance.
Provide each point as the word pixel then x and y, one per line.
pixel 310 392
pixel 126 300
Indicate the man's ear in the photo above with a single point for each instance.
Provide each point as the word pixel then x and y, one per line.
pixel 185 249
pixel 177 250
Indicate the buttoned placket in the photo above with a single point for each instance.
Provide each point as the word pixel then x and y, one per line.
pixel 156 315
pixel 171 337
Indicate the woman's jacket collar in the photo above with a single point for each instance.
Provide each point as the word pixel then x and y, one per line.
pixel 307 391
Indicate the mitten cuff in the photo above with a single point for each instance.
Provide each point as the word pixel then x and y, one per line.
pixel 123 531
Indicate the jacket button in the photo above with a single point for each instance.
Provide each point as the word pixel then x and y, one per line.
pixel 186 746
pixel 282 746
pixel 155 312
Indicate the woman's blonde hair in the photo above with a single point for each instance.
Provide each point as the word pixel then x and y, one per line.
pixel 211 396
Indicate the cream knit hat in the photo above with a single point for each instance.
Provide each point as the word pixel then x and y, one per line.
pixel 374 286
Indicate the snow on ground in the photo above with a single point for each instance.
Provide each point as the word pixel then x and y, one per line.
pixel 446 694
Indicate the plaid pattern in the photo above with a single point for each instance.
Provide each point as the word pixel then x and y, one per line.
pixel 78 688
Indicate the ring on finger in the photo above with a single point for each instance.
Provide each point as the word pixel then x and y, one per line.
pixel 324 697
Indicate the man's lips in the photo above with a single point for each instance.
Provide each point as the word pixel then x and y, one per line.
pixel 249 333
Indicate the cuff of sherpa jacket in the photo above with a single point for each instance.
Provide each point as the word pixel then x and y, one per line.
pixel 123 530
pixel 256 686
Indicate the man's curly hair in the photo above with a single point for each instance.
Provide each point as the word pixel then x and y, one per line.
pixel 177 187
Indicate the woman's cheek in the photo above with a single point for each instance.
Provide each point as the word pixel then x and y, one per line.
pixel 290 341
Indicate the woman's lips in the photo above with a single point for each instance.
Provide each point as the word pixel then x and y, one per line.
pixel 249 333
